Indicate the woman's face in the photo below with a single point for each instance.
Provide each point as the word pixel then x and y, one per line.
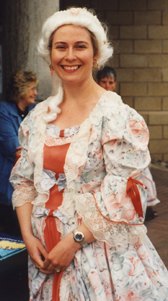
pixel 72 54
pixel 108 83
pixel 30 94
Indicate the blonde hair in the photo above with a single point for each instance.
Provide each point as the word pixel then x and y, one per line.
pixel 19 83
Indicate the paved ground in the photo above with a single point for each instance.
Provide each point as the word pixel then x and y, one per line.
pixel 13 283
pixel 158 227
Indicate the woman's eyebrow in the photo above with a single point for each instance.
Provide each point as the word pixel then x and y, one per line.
pixel 64 42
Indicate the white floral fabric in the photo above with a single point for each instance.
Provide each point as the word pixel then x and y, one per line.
pixel 108 148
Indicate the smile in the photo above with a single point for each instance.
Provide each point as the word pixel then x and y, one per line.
pixel 70 68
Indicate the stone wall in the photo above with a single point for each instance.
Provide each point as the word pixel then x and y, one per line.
pixel 139 31
pixel 21 27
pixel 41 10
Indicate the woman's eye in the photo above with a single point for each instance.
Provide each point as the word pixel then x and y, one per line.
pixel 60 47
pixel 81 46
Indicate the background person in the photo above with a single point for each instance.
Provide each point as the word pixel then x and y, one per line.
pixel 22 92
pixel 107 79
pixel 77 195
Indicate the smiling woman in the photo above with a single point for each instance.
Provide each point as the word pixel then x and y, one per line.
pixel 79 192
pixel 72 54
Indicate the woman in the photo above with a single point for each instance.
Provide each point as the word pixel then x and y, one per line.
pixel 21 99
pixel 82 205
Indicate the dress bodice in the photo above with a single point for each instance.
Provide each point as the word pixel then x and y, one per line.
pixel 55 148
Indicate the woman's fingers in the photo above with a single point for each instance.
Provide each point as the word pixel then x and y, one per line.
pixel 37 252
pixel 46 263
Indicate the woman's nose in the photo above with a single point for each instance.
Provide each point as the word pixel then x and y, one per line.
pixel 70 55
pixel 35 92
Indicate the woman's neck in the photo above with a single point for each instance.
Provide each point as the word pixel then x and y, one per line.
pixel 81 93
pixel 21 106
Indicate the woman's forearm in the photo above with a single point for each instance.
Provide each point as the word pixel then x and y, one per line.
pixel 24 218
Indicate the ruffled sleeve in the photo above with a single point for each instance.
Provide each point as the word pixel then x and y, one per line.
pixel 27 173
pixel 122 197
pixel 22 173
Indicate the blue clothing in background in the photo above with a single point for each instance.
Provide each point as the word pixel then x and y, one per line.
pixel 10 119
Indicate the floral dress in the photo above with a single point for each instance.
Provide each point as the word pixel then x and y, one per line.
pixel 97 165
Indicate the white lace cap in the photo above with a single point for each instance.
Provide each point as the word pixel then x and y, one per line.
pixel 76 16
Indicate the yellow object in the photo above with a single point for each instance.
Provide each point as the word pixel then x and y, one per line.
pixel 5 244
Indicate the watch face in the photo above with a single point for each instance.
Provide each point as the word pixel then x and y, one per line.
pixel 78 236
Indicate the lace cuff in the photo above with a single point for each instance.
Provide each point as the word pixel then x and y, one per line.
pixel 102 228
pixel 23 193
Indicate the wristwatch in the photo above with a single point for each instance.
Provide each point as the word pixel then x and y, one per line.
pixel 79 237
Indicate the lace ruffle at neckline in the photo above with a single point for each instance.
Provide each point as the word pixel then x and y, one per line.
pixel 56 136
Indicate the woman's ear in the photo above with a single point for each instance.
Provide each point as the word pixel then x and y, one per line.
pixel 95 63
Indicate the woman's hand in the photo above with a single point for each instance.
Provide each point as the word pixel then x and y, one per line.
pixel 38 254
pixel 34 247
pixel 62 254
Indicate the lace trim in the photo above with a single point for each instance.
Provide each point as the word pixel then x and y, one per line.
pixel 55 131
pixel 103 230
pixel 53 135
pixel 51 141
pixel 24 193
